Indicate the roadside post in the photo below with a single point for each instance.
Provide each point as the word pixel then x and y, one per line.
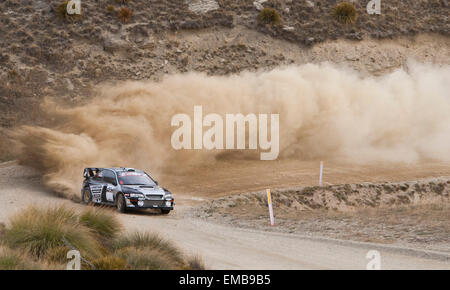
pixel 269 201
pixel 321 173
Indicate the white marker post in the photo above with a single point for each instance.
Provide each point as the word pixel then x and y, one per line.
pixel 321 173
pixel 270 207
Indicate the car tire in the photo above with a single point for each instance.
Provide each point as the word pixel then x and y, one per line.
pixel 86 197
pixel 165 211
pixel 121 203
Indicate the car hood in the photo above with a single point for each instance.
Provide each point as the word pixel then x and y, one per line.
pixel 143 189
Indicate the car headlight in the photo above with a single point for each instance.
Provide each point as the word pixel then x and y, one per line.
pixel 168 196
pixel 136 195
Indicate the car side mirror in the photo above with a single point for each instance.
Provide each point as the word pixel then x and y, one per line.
pixel 156 182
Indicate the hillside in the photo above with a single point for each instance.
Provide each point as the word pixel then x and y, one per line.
pixel 46 53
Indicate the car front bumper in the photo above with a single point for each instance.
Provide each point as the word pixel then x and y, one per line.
pixel 146 203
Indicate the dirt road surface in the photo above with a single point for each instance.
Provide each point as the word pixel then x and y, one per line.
pixel 222 246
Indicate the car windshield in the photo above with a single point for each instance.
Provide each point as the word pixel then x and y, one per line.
pixel 135 179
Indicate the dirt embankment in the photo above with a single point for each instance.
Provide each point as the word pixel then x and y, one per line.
pixel 413 213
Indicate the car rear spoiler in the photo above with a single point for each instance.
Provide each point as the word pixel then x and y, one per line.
pixel 90 172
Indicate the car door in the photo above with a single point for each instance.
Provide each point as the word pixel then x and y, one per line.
pixel 97 186
pixel 109 177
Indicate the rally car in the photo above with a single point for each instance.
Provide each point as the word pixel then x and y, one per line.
pixel 125 188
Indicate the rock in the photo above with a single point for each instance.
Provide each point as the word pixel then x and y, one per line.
pixel 288 28
pixel 112 44
pixel 259 4
pixel 310 40
pixel 70 86
pixel 310 3
pixel 202 6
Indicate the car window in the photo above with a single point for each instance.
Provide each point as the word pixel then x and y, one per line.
pixel 109 177
pixel 99 175
pixel 134 178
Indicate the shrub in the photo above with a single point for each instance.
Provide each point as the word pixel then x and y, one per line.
pixel 125 14
pixel 39 238
pixel 151 242
pixel 101 222
pixel 13 260
pixel 57 254
pixel 36 231
pixel 110 8
pixel 195 263
pixel 269 16
pixel 345 13
pixel 146 259
pixel 110 263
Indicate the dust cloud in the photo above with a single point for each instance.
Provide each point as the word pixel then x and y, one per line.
pixel 326 112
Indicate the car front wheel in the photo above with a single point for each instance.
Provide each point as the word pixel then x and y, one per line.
pixel 86 197
pixel 121 203
pixel 165 211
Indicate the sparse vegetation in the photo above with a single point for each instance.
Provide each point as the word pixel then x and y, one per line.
pixel 102 222
pixel 40 238
pixel 345 13
pixel 14 260
pixel 150 251
pixel 111 262
pixel 36 231
pixel 110 8
pixel 196 263
pixel 125 14
pixel 269 16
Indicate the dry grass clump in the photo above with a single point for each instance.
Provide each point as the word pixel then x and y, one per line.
pixel 111 262
pixel 345 13
pixel 149 251
pixel 36 231
pixel 101 222
pixel 110 8
pixel 14 260
pixel 269 16
pixel 40 238
pixel 124 14
pixel 196 263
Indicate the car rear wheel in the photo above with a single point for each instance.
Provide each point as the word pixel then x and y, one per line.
pixel 86 197
pixel 121 203
pixel 165 211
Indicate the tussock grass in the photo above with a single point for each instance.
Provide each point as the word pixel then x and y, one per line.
pixel 111 262
pixel 110 8
pixel 345 13
pixel 125 14
pixel 101 222
pixel 36 231
pixel 40 238
pixel 269 16
pixel 147 259
pixel 57 254
pixel 195 263
pixel 14 260
pixel 150 242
